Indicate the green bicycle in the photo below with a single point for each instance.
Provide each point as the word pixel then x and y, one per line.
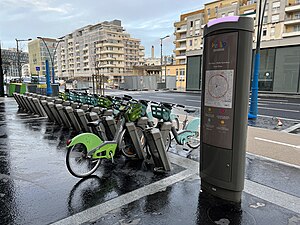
pixel 86 150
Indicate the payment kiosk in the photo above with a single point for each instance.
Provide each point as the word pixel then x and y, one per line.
pixel 227 59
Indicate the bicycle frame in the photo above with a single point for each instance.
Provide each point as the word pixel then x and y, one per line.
pixel 189 130
pixel 96 148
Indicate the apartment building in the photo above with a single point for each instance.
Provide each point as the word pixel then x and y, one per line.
pixel 100 49
pixel 10 62
pixel 38 54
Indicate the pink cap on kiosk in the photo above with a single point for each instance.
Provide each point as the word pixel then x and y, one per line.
pixel 223 20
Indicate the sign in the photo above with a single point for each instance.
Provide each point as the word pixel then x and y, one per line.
pixel 221 53
pixel 37 68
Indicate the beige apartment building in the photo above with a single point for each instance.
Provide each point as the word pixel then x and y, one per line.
pixel 38 54
pixel 281 28
pixel 101 49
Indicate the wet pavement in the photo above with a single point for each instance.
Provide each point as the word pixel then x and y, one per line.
pixel 36 188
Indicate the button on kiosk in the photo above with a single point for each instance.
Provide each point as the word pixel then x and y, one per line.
pixel 224 108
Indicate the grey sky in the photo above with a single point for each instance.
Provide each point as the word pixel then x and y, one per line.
pixel 146 20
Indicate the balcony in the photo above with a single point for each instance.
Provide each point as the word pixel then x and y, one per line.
pixel 182 56
pixel 291 34
pixel 293 7
pixel 113 44
pixel 291 21
pixel 181 48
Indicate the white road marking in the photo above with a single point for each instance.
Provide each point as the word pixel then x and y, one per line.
pixel 281 103
pixel 286 110
pixel 274 100
pixel 159 97
pixel 192 100
pixel 266 116
pixel 277 142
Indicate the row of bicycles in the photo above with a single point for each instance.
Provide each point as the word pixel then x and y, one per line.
pixel 108 126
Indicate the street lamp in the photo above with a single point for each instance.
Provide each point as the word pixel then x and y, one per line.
pixel 161 54
pixel 51 57
pixel 254 94
pixel 18 55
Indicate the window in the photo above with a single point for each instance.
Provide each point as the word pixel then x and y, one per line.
pixel 264 32
pixel 272 33
pixel 192 23
pixel 196 42
pixel 216 9
pixel 223 14
pixel 191 42
pixel 275 7
pixel 297 16
pixel 265 19
pixel 197 24
pixel 208 12
pixel 297 27
pixel 275 18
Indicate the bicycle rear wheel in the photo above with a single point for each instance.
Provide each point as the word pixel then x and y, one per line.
pixel 79 163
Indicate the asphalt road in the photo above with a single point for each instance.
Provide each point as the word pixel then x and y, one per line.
pixel 282 107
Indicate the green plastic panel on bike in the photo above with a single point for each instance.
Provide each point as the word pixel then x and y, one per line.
pixel 62 95
pixel 134 113
pixel 104 102
pixel 161 113
pixel 193 125
pixel 183 137
pixel 150 116
pixel 90 141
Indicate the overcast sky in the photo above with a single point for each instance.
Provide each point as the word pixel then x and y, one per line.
pixel 147 20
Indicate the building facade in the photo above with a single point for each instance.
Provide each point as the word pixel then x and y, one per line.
pixel 101 49
pixel 38 54
pixel 280 43
pixel 10 62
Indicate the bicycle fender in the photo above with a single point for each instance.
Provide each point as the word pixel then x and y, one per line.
pixel 90 141
pixel 193 125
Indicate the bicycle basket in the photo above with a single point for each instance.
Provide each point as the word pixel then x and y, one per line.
pixel 134 112
pixel 160 112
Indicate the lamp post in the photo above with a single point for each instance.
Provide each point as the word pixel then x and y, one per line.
pixel 51 56
pixel 254 95
pixel 18 55
pixel 161 54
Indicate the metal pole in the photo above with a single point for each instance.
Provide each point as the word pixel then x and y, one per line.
pixel 18 59
pixel 254 95
pixel 49 89
pixel 1 75
pixel 161 61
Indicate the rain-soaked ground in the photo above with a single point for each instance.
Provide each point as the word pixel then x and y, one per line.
pixel 36 188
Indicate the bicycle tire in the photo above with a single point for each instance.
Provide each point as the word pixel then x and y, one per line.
pixel 126 145
pixel 193 142
pixel 80 157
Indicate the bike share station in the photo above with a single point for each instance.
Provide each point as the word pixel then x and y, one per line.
pixel 227 59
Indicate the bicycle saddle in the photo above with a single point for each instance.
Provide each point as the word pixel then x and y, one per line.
pixel 190 110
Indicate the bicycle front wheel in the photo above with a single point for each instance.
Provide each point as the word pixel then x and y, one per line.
pixel 79 163
pixel 193 142
pixel 127 147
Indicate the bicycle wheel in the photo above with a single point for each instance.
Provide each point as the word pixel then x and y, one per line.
pixel 126 146
pixel 79 163
pixel 194 141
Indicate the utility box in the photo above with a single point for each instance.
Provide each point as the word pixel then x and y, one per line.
pixel 224 106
